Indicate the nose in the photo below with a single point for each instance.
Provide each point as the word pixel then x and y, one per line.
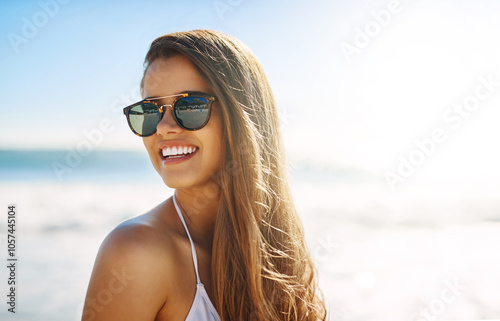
pixel 167 124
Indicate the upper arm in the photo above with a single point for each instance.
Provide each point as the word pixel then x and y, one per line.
pixel 130 277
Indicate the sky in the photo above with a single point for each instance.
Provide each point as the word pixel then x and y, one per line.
pixel 404 90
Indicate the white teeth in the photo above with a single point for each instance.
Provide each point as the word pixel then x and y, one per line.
pixel 178 150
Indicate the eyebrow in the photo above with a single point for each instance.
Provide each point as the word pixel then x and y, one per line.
pixel 190 92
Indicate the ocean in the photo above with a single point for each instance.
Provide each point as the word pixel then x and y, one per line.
pixel 426 252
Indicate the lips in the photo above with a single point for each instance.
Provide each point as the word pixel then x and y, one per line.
pixel 176 151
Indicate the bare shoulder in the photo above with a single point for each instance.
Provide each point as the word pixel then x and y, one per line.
pixel 140 237
pixel 130 279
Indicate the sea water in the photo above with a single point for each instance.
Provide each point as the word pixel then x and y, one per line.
pixel 427 252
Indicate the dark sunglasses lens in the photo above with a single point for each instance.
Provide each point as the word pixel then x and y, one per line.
pixel 192 112
pixel 144 118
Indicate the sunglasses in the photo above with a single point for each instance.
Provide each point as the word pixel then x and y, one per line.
pixel 190 110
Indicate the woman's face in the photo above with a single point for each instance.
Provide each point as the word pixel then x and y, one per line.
pixel 172 76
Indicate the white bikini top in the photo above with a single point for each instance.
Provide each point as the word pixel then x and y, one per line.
pixel 202 308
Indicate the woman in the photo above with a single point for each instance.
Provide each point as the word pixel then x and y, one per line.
pixel 210 126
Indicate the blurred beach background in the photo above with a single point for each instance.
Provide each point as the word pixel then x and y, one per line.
pixel 389 111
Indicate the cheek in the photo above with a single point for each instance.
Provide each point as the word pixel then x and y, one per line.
pixel 150 148
pixel 147 143
pixel 217 142
pixel 218 150
pixel 213 165
pixel 213 143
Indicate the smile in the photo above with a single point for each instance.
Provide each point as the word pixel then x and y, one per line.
pixel 178 151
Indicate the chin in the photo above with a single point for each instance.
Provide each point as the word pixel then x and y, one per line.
pixel 174 184
pixel 178 180
pixel 207 186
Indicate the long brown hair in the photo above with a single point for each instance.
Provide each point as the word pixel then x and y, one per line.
pixel 261 267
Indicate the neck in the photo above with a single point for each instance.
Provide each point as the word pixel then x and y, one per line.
pixel 199 209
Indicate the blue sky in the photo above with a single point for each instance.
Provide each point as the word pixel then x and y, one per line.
pixel 363 108
pixel 90 53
